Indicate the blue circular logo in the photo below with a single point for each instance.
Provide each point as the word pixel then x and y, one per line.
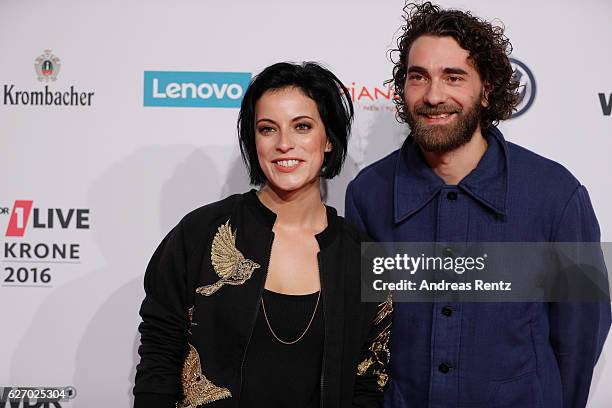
pixel 527 88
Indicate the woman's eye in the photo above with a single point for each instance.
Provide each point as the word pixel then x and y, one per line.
pixel 302 126
pixel 265 129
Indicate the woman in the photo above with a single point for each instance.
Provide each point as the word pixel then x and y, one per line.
pixel 254 300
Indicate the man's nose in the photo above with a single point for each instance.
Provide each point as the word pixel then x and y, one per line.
pixel 435 93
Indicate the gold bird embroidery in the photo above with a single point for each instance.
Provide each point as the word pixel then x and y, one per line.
pixel 379 351
pixel 229 263
pixel 197 389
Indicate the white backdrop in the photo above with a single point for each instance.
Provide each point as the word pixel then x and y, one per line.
pixel 134 170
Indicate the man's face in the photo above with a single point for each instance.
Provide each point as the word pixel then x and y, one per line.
pixel 444 94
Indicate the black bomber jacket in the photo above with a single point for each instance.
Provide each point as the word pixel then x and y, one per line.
pixel 203 286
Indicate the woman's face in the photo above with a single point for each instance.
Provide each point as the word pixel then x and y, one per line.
pixel 290 139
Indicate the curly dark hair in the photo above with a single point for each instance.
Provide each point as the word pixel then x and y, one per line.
pixel 489 49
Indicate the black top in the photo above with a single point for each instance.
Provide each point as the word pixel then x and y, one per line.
pixel 285 375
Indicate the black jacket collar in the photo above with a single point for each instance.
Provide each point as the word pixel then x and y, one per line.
pixel 267 217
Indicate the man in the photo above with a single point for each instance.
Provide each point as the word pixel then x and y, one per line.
pixel 456 179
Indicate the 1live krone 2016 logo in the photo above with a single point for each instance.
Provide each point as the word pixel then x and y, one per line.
pixel 32 263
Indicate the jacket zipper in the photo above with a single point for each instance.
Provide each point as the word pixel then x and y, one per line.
pixel 254 321
pixel 324 334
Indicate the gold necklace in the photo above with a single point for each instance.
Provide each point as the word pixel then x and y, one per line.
pixel 263 306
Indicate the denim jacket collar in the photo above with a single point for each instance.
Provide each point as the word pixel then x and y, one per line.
pixel 416 183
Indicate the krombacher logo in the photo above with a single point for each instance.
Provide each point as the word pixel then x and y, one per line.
pixel 47 67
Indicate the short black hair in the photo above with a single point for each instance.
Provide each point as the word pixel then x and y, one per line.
pixel 489 50
pixel 319 84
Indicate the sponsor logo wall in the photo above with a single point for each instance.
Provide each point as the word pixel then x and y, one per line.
pixel 37 262
pixel 606 103
pixel 527 82
pixel 47 67
pixel 195 89
pixel 94 172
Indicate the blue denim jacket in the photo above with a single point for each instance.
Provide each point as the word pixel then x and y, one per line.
pixel 518 355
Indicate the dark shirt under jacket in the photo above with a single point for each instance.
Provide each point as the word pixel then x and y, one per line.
pixel 285 375
pixel 484 354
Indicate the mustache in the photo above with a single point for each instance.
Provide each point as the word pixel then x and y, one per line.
pixel 424 109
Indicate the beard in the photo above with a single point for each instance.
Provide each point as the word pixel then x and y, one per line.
pixel 444 138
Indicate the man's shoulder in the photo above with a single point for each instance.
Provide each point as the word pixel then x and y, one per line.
pixel 381 170
pixel 525 163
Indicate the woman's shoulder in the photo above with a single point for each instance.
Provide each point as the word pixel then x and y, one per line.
pixel 350 231
pixel 213 210
pixel 208 216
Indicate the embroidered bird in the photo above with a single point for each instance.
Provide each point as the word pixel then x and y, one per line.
pixel 197 389
pixel 228 262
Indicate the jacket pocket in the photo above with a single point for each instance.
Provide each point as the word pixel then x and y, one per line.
pixel 522 391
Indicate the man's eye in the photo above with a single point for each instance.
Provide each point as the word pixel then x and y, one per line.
pixel 454 78
pixel 415 77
